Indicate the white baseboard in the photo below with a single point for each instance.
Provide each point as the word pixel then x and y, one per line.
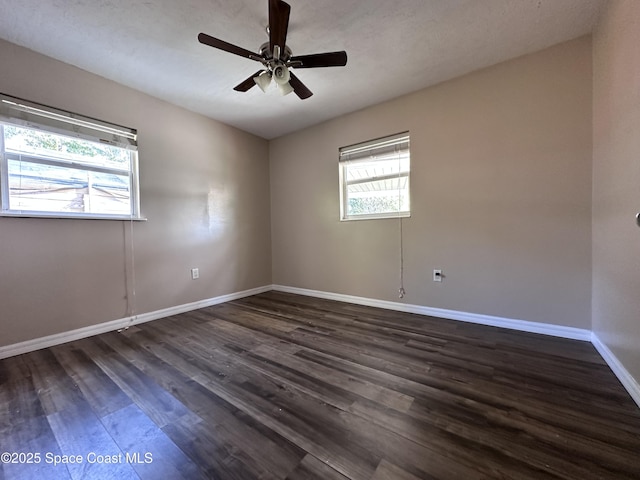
pixel 64 337
pixel 522 325
pixel 627 380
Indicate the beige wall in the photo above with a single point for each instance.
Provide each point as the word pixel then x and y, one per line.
pixel 204 189
pixel 501 195
pixel 616 182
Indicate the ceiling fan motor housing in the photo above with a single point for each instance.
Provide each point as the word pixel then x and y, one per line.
pixel 266 53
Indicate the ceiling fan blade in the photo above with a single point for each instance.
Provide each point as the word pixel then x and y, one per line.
pixel 227 47
pixel 248 83
pixel 329 59
pixel 298 87
pixel 278 23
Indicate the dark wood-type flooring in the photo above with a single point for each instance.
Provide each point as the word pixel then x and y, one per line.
pixel 279 386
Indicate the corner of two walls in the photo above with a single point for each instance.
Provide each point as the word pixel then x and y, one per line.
pixel 616 184
pixel 203 189
pixel 500 195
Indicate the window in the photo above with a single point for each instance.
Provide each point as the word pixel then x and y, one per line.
pixel 374 179
pixel 59 164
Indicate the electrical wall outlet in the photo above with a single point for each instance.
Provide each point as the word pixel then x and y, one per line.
pixel 437 275
pixel 195 273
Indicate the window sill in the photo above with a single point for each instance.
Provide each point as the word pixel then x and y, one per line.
pixel 71 216
pixel 376 217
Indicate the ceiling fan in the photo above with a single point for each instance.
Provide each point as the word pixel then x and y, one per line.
pixel 276 58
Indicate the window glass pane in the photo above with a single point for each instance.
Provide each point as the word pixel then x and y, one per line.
pixel 377 186
pixel 39 143
pixel 46 188
pixel 386 196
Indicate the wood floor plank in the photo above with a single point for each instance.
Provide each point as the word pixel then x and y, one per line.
pixel 280 386
pixel 303 428
pixel 310 468
pixel 388 471
pixel 24 427
pixel 79 432
pixel 269 451
pixel 365 442
pixel 98 389
pixel 488 444
pixel 156 402
pixel 150 451
pixel 338 378
pixel 30 436
pixel 218 457
pixel 55 389
pixel 18 397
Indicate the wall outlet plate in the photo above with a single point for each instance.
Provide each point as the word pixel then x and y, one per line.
pixel 437 275
pixel 195 273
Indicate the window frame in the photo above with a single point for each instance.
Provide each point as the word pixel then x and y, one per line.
pixel 388 140
pixel 30 115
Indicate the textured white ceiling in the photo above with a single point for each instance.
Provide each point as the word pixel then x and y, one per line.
pixel 394 47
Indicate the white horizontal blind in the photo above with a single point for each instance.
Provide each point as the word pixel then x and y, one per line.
pixel 28 114
pixel 374 178
pixel 376 149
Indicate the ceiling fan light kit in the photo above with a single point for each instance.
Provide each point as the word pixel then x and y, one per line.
pixel 276 57
pixel 263 80
pixel 285 89
pixel 281 74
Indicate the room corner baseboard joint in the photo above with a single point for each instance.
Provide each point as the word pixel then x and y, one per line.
pixel 630 384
